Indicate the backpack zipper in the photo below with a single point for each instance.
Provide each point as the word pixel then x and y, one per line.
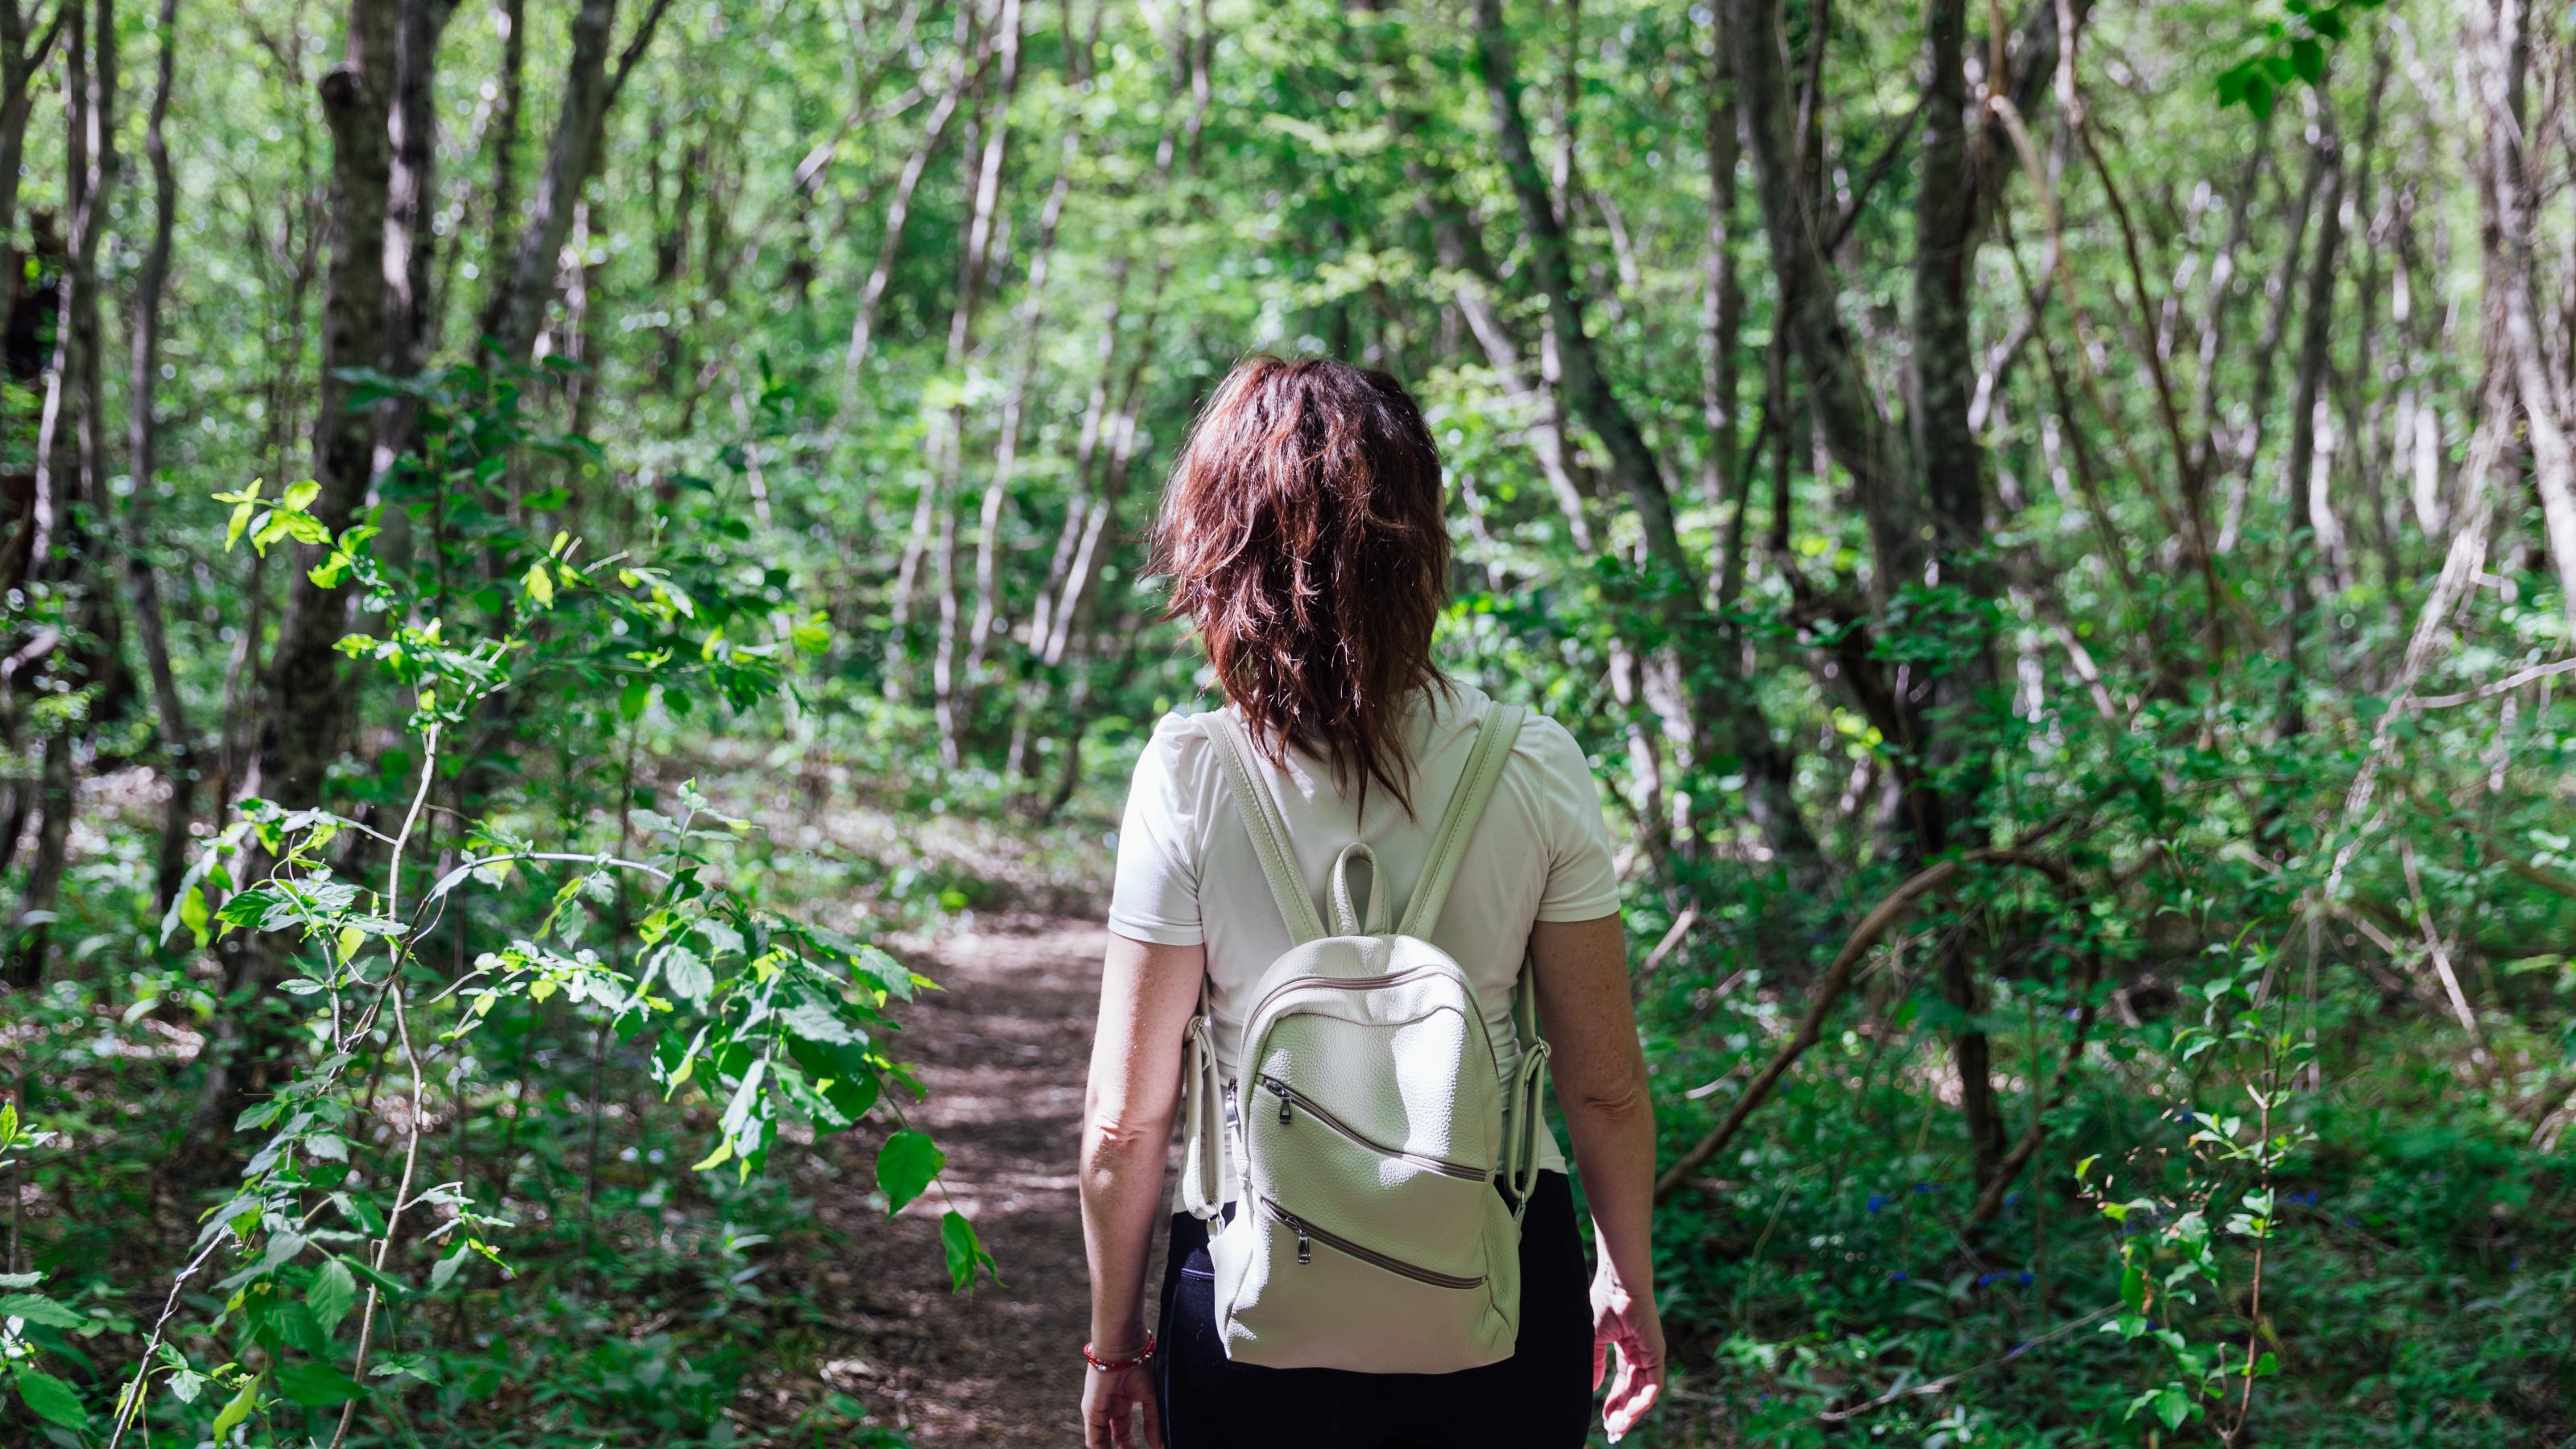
pixel 1289 1096
pixel 1350 983
pixel 1402 1269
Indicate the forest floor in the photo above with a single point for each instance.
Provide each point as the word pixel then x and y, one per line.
pixel 1003 1050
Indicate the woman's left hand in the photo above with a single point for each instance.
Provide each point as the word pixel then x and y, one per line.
pixel 1628 1323
pixel 1114 1402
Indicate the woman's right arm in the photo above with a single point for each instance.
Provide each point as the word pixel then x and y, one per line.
pixel 1581 973
pixel 1147 993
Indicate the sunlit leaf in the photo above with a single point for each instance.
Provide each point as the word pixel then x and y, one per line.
pixel 964 1250
pixel 905 1166
pixel 236 1411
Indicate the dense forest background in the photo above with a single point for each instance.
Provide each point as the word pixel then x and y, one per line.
pixel 561 555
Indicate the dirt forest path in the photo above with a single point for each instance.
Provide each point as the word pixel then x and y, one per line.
pixel 1002 1050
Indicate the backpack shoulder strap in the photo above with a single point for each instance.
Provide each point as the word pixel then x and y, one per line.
pixel 1495 735
pixel 1262 822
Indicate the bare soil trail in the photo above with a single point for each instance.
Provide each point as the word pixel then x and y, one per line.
pixel 1002 1050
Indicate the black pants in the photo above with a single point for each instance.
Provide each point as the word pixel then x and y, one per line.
pixel 1539 1398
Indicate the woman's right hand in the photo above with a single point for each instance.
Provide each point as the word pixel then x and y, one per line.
pixel 1112 1405
pixel 1629 1323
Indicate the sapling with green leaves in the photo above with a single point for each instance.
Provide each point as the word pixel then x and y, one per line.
pixel 2170 1251
pixel 773 1017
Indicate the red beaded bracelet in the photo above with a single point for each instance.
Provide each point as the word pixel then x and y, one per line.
pixel 1144 1355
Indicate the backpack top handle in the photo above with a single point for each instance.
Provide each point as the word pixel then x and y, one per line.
pixel 1347 921
pixel 1496 734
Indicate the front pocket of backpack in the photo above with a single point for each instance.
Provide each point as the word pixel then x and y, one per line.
pixel 1406 1084
pixel 1408 1207
pixel 1319 1298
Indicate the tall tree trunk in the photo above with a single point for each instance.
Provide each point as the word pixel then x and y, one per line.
pixel 1006 447
pixel 2512 157
pixel 1853 432
pixel 89 171
pixel 509 112
pixel 22 61
pixel 1723 475
pixel 56 791
pixel 1953 470
pixel 1717 700
pixel 1838 390
pixel 305 707
pixel 142 434
pixel 515 310
pixel 1041 631
pixel 410 190
pixel 2222 306
pixel 2265 357
pixel 917 538
pixel 934 133
pixel 972 263
pixel 2360 399
pixel 1069 645
pixel 71 484
pixel 1944 364
pixel 2315 338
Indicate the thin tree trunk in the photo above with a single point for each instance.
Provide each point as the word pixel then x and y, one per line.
pixel 1953 467
pixel 1071 644
pixel 1944 259
pixel 1723 476
pixel 1838 390
pixel 31 939
pixel 934 133
pixel 1072 608
pixel 509 113
pixel 1006 447
pixel 516 308
pixel 2315 338
pixel 71 485
pixel 2222 307
pixel 2267 350
pixel 2512 158
pixel 925 506
pixel 2360 399
pixel 88 173
pixel 1041 630
pixel 972 265
pixel 142 434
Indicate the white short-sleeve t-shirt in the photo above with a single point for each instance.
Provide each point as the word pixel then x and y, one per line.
pixel 1187 874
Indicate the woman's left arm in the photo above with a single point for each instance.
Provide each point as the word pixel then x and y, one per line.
pixel 1147 993
pixel 1580 969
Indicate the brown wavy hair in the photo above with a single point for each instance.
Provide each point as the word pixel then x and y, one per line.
pixel 1303 532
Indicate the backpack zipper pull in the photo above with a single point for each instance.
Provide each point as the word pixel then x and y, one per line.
pixel 1283 1107
pixel 1305 1249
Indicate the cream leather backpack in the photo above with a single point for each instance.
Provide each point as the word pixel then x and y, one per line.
pixel 1368 1122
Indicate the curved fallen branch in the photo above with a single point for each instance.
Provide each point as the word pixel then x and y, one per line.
pixel 1829 991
